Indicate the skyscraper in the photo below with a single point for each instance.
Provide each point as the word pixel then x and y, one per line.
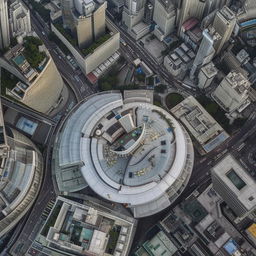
pixel 148 15
pixel 164 17
pixel 224 23
pixel 86 19
pixel 19 18
pixel 206 51
pixel 232 94
pixel 234 185
pixel 133 12
pixel 4 25
pixel 206 75
pixel 212 5
pixel 134 6
pixel 190 9
pixel 99 21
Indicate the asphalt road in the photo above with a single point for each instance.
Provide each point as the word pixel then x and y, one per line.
pixel 28 111
pixel 137 51
pixel 201 168
pixel 27 233
pixel 28 228
pixel 75 79
pixel 200 175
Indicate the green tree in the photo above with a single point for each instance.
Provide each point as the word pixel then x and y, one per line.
pixel 31 52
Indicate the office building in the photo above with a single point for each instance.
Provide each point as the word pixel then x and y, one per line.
pixel 243 57
pixel 4 25
pixel 233 93
pixel 34 87
pixel 21 173
pixel 55 10
pixel 159 244
pixel 204 128
pixel 248 11
pixel 206 75
pixel 164 17
pixel 87 228
pixel 231 181
pixel 140 30
pixel 105 53
pixel 148 15
pixel 178 61
pixel 213 5
pixel 67 16
pixel 19 19
pixel 134 18
pixel 133 13
pixel 99 21
pixel 90 23
pixel 85 19
pixel 84 31
pixel 97 39
pixel 232 63
pixel 206 50
pixel 127 150
pixel 224 24
pixel 191 33
pixel 116 6
pixel 190 9
pixel 197 9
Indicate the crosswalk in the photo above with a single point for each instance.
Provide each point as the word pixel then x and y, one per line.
pixel 48 209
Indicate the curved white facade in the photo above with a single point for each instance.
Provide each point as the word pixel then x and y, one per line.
pixel 148 178
pixel 21 177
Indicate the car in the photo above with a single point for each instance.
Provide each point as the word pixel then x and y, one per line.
pixel 122 41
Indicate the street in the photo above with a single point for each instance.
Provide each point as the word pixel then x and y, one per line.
pixel 80 86
pixel 27 229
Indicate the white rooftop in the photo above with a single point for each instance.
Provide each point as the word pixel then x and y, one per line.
pixel 137 167
pixel 240 183
pixel 205 129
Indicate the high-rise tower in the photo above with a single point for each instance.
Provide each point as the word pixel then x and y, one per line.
pixel 148 15
pixel 67 17
pixel 86 19
pixel 19 18
pixel 224 23
pixel 206 50
pixel 4 25
pixel 231 181
pixel 212 5
pixel 133 12
pixel 190 9
pixel 164 17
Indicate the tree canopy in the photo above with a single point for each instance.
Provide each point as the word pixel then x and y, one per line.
pixel 31 52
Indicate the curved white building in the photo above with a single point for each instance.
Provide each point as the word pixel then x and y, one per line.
pixel 21 174
pixel 127 150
